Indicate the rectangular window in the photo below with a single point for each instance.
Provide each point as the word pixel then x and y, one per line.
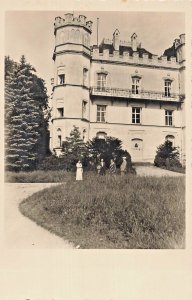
pixel 135 85
pixel 60 112
pixel 101 81
pixel 169 118
pixel 85 77
pixel 61 79
pixel 84 109
pixel 101 113
pixel 136 115
pixel 167 88
pixel 59 141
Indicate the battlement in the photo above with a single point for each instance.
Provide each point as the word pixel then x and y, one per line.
pixel 107 41
pixel 69 19
pixel 135 58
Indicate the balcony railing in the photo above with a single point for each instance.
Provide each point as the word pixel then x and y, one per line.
pixel 128 93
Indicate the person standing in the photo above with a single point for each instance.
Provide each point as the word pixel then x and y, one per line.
pixel 103 167
pixel 112 167
pixel 123 167
pixel 79 170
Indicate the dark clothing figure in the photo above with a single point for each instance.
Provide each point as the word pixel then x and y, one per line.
pixel 112 167
pixel 102 167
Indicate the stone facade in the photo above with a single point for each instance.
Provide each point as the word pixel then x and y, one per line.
pixel 116 89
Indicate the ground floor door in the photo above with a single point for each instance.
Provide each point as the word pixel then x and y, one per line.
pixel 137 150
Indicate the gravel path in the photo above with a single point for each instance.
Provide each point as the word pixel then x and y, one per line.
pixel 21 232
pixel 154 171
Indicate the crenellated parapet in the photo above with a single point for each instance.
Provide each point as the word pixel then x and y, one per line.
pixel 134 58
pixel 69 19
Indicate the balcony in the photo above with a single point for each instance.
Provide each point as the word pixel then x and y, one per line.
pixel 143 94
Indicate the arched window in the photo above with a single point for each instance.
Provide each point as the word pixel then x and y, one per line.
pixel 61 37
pixel 66 35
pixel 136 84
pixel 77 35
pixel 170 138
pixel 59 137
pixel 101 135
pixel 72 34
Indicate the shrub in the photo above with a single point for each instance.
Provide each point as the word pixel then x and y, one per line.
pixel 109 148
pixel 53 163
pixel 167 156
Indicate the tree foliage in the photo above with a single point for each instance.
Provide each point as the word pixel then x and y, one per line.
pixel 167 155
pixel 74 149
pixel 108 148
pixel 26 116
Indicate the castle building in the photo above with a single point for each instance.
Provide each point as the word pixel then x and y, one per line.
pixel 116 89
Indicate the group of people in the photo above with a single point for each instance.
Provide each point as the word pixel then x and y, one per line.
pixel 101 168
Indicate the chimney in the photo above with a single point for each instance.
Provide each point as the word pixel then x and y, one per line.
pixel 116 39
pixel 134 42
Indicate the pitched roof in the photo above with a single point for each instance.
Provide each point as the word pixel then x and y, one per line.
pixel 122 49
pixel 170 52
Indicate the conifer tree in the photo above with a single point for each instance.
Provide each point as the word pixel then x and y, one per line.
pixel 74 148
pixel 25 106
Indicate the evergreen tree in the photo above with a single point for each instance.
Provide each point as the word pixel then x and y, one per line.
pixel 25 107
pixel 74 149
pixel 167 155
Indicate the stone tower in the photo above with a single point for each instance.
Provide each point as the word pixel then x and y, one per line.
pixel 71 57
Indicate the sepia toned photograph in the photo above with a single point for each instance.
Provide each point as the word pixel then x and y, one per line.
pixel 95 152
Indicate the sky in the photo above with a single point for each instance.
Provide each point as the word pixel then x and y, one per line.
pixel 32 33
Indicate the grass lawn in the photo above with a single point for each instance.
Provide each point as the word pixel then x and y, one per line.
pixel 113 212
pixel 38 176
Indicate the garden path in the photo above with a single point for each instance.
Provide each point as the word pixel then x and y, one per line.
pixel 21 232
pixel 154 171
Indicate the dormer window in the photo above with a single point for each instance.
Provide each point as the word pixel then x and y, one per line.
pixel 167 87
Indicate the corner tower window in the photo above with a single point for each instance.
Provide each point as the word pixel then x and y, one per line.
pixel 60 112
pixel 61 79
pixel 84 109
pixel 85 76
pixel 59 138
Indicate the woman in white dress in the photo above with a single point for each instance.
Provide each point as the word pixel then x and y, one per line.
pixel 79 171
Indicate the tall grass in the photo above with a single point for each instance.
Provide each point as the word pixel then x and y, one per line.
pixel 113 211
pixel 38 176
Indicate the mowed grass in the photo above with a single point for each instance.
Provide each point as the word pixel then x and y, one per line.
pixel 113 212
pixel 38 176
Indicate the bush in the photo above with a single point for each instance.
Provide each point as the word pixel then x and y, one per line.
pixel 109 148
pixel 167 156
pixel 53 163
